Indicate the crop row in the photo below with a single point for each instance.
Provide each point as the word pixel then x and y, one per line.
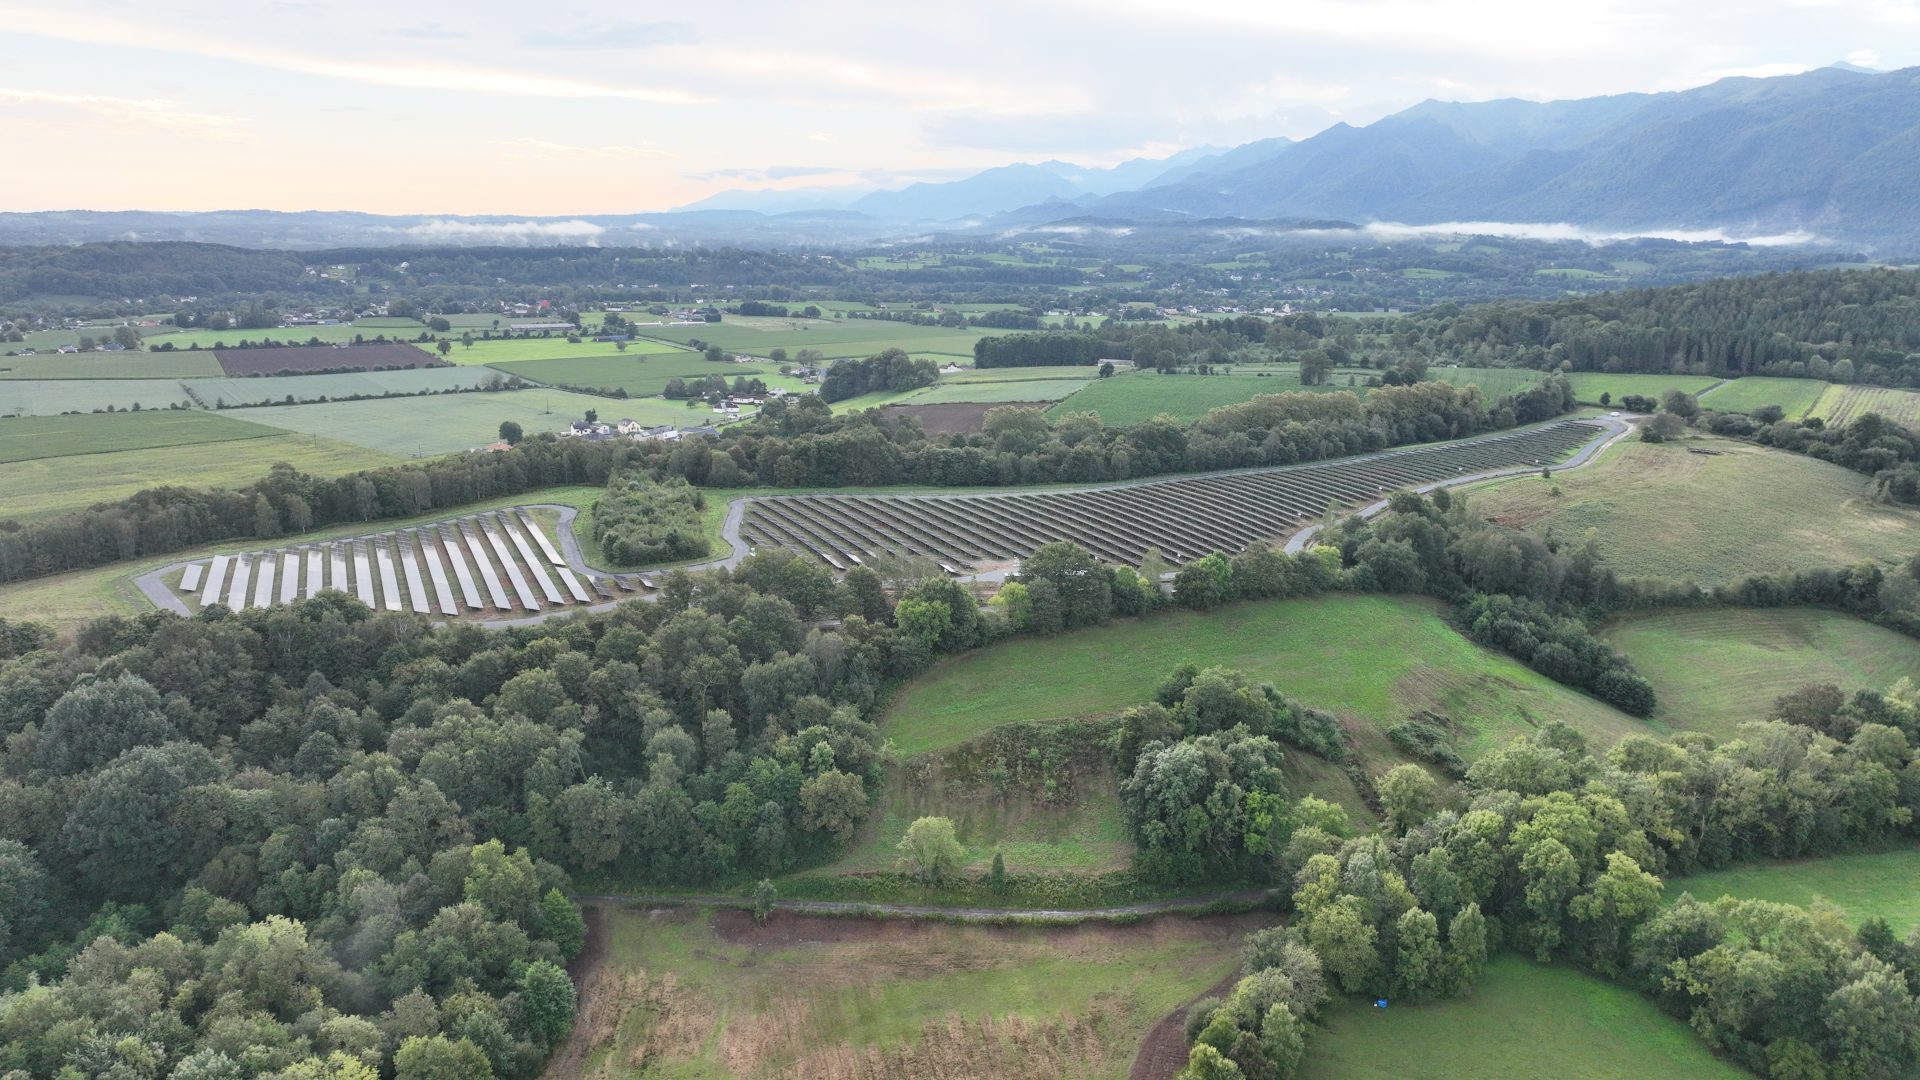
pixel 1184 518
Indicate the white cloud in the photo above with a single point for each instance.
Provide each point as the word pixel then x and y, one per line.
pixel 505 232
pixel 131 111
pixel 1560 230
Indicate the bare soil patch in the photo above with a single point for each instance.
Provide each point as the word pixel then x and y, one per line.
pixel 956 418
pixel 307 359
pixel 1164 1051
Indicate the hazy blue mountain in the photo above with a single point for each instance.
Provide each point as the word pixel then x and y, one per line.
pixel 1835 152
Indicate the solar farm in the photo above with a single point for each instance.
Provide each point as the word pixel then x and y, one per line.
pixel 1185 518
pixel 489 565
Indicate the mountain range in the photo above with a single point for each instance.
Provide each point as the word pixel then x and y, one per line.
pixel 1833 152
pixel 1830 156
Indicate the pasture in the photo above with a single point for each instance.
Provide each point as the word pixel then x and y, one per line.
pixel 1842 404
pixel 1589 385
pixel 1523 1019
pixel 322 358
pixel 1314 651
pixel 1863 885
pixel 980 390
pixel 1087 833
pixel 51 397
pixel 640 375
pixel 832 338
pixel 109 365
pixel 1135 397
pixel 50 486
pixel 1493 382
pixel 27 438
pixel 337 334
pixel 1656 510
pixel 510 350
pixel 696 994
pixel 1794 396
pixel 1082 372
pixel 449 423
pixel 274 390
pixel 1716 669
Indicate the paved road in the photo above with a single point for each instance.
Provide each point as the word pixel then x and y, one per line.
pixel 934 911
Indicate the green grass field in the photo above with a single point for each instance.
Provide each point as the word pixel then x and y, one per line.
pixel 47 487
pixel 833 338
pixel 1713 670
pixel 509 350
pixel 695 994
pixel 1139 396
pixel 1493 382
pixel 1082 372
pixel 109 365
pixel 1796 397
pixel 1088 833
pixel 640 374
pixel 1658 511
pixel 1524 1020
pixel 27 438
pixel 1863 886
pixel 1589 385
pixel 1011 390
pixel 1840 404
pixel 369 329
pixel 1374 659
pixel 51 397
pixel 304 388
pixel 450 423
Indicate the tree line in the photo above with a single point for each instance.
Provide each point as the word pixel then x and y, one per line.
pixel 794 443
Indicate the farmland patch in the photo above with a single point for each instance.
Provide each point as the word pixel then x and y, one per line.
pixel 322 358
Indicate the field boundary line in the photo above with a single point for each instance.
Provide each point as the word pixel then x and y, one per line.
pixel 1201 904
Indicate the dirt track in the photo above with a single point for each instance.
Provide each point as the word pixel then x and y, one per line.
pixel 1164 1051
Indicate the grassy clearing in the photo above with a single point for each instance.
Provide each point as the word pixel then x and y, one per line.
pixel 1522 1020
pixel 1493 382
pixel 1863 886
pixel 48 487
pixel 833 338
pixel 1658 511
pixel 1796 397
pixel 700 994
pixel 1840 404
pixel 1139 396
pixel 1087 833
pixel 1371 659
pixel 109 365
pixel 1013 390
pixel 1714 670
pixel 51 397
pixel 1082 372
pixel 509 350
pixel 29 438
pixel 304 388
pixel 641 375
pixel 366 329
pixel 1589 385
pixel 449 423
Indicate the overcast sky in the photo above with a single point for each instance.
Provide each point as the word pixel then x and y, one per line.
pixel 610 108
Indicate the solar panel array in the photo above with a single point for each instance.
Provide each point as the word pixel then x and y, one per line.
pixel 494 563
pixel 1184 518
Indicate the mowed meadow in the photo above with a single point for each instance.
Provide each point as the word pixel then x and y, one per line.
pixel 1659 510
pixel 694 993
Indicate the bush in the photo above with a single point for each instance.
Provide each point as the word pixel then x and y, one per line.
pixel 639 521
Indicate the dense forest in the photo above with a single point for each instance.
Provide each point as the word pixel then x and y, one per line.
pixel 1846 325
